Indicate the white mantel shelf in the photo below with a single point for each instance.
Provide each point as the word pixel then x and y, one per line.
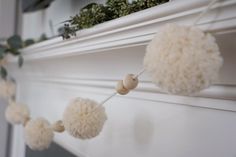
pixel 137 28
pixel 89 65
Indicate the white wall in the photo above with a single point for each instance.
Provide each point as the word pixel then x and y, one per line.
pixel 7 25
pixel 3 129
pixel 37 23
pixel 7 18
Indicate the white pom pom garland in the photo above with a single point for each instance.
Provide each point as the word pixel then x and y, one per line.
pixel 3 61
pixel 58 126
pixel 38 134
pixel 17 113
pixel 120 88
pixel 130 82
pixel 7 88
pixel 182 60
pixel 82 121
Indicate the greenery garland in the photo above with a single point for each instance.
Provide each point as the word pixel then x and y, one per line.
pixel 93 14
pixel 12 46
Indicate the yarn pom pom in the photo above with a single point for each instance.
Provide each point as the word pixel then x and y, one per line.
pixel 38 134
pixel 82 120
pixel 3 61
pixel 183 60
pixel 7 88
pixel 16 113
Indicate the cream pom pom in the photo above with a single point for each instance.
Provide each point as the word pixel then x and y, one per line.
pixel 82 120
pixel 17 113
pixel 7 88
pixel 38 134
pixel 183 60
pixel 3 61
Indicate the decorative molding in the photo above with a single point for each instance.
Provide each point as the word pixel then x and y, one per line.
pixel 145 91
pixel 136 29
pixel 129 33
pixel 226 92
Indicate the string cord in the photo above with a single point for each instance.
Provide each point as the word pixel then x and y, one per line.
pixel 108 98
pixel 139 73
pixel 115 93
pixel 200 16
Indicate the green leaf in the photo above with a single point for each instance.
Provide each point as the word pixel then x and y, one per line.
pixel 15 42
pixel 20 61
pixel 3 72
pixel 29 42
pixel 43 37
pixel 14 52
pixel 1 56
pixel 2 51
pixel 89 6
pixel 2 48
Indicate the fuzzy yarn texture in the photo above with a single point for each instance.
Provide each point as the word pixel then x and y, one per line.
pixel 182 60
pixel 3 61
pixel 82 121
pixel 17 113
pixel 7 88
pixel 38 134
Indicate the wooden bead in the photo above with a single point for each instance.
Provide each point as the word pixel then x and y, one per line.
pixel 26 121
pixel 58 126
pixel 121 89
pixel 130 82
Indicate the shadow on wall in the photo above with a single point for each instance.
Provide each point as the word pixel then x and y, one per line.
pixel 143 131
pixel 53 151
pixel 3 130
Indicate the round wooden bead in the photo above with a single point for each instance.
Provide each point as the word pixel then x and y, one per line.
pixel 26 121
pixel 58 126
pixel 130 82
pixel 121 89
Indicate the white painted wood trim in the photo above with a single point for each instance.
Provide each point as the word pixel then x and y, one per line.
pixel 136 29
pixel 146 91
pixel 215 92
pixel 132 31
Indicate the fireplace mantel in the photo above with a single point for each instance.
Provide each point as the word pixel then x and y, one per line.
pixel 146 122
pixel 136 29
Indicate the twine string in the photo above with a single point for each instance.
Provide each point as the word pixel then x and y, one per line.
pixel 108 98
pixel 206 10
pixel 115 93
pixel 199 17
pixel 139 73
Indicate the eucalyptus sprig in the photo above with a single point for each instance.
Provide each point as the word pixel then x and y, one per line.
pixel 12 47
pixel 93 14
pixel 68 31
pixel 119 8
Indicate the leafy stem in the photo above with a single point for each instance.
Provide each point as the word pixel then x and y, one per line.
pixel 93 14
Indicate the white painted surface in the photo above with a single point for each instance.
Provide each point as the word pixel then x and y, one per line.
pixel 145 122
pixel 3 129
pixel 37 23
pixel 7 18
